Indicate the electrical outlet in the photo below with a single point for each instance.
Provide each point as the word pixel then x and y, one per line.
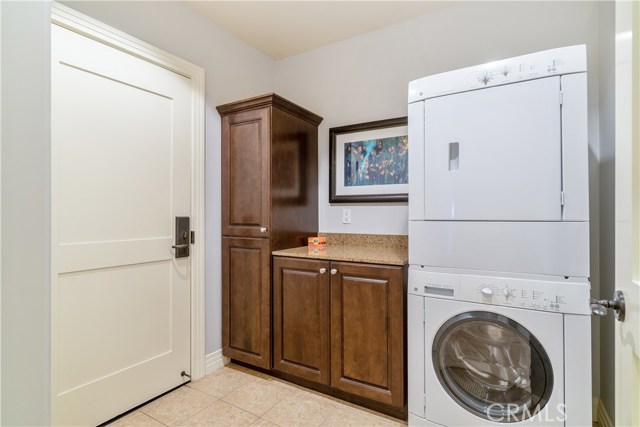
pixel 346 216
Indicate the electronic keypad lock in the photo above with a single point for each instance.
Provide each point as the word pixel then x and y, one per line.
pixel 183 237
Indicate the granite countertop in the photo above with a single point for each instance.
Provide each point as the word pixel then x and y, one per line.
pixel 366 248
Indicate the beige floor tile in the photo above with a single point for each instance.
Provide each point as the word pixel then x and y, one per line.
pixel 302 409
pixel 352 417
pixel 136 419
pixel 261 422
pixel 372 412
pixel 178 405
pixel 259 396
pixel 250 371
pixel 220 414
pixel 222 382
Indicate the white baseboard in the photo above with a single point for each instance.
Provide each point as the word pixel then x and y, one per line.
pixel 602 416
pixel 214 361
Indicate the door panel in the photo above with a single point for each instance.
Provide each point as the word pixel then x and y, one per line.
pixel 470 149
pixel 245 186
pixel 627 214
pixel 143 196
pixel 121 135
pixel 367 354
pixel 301 318
pixel 83 328
pixel 246 305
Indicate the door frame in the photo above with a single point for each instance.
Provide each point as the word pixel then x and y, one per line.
pixel 79 23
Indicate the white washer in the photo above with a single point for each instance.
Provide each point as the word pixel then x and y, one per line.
pixel 491 349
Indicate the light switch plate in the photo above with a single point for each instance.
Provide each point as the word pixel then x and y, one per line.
pixel 346 216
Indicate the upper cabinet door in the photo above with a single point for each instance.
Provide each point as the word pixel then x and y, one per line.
pixel 495 154
pixel 245 177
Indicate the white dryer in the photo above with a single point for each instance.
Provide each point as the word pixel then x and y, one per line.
pixel 498 350
pixel 498 172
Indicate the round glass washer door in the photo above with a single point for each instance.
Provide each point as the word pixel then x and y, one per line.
pixel 492 366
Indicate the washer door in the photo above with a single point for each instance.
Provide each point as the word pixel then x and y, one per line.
pixel 492 366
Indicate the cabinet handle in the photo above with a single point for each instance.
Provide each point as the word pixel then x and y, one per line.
pixel 334 271
pixel 263 229
pixel 323 270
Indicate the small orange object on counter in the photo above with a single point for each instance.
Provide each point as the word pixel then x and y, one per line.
pixel 317 242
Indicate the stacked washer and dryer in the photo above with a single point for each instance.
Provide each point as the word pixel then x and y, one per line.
pixel 499 320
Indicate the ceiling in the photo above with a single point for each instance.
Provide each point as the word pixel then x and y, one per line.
pixel 284 28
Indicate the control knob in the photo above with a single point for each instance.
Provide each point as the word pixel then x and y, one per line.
pixel 508 293
pixel 486 291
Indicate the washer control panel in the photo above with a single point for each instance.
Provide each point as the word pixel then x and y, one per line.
pixel 543 295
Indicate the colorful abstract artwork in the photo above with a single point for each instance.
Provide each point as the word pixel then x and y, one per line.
pixel 369 162
pixel 376 162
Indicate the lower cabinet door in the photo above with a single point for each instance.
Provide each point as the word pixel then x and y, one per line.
pixel 301 318
pixel 246 300
pixel 367 335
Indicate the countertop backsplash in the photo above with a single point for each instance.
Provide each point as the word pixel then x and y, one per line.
pixel 367 240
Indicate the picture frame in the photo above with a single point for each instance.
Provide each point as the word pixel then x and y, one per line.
pixel 369 162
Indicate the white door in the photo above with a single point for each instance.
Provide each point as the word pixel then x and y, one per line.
pixel 627 333
pixel 470 149
pixel 120 175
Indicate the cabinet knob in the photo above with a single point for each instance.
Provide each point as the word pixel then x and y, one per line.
pixel 263 229
pixel 334 271
pixel 323 270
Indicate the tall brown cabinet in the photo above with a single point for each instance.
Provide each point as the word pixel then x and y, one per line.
pixel 269 202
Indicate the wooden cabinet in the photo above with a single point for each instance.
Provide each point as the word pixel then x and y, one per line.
pixel 301 318
pixel 245 173
pixel 246 299
pixel 367 331
pixel 342 324
pixel 269 202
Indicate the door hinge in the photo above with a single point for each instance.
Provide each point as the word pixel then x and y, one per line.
pixel 561 98
pixel 193 237
pixel 562 198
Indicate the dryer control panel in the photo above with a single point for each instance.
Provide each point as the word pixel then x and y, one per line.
pixel 569 296
pixel 564 60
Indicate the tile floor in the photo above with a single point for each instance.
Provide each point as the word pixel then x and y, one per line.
pixel 238 397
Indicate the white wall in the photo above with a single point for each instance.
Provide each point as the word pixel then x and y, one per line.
pixel 365 78
pixel 25 228
pixel 233 70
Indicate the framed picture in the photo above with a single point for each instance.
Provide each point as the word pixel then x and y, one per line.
pixel 369 162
